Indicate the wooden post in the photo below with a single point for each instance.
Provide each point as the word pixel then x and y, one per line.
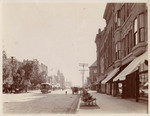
pixel 123 90
pixel 137 85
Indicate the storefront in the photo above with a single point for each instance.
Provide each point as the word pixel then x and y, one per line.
pixel 107 84
pixel 98 87
pixel 143 81
pixel 98 84
pixel 93 86
pixel 131 80
pixel 102 86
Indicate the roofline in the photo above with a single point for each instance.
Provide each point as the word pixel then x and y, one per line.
pixel 106 8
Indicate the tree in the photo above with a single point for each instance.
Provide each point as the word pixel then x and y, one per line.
pixel 20 75
pixel 28 68
pixel 6 66
pixel 35 74
pixel 42 77
pixel 6 70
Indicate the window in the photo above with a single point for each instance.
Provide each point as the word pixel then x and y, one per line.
pixel 123 11
pixel 123 47
pixel 107 57
pixel 115 24
pixel 130 40
pixel 141 28
pixel 135 32
pixel 116 52
pixel 127 9
pixel 128 44
pixel 117 19
pixel 119 49
pixel 113 51
pixel 102 65
pixel 95 71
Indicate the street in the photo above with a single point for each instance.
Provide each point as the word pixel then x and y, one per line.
pixel 35 102
pixel 58 102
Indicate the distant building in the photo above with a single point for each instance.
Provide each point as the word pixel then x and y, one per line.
pixel 68 84
pixel 93 75
pixel 122 47
pixel 61 79
pixel 50 79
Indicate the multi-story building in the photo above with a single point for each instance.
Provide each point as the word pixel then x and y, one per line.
pixel 93 75
pixel 61 79
pixel 122 49
pixel 49 79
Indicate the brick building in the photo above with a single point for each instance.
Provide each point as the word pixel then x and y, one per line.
pixel 93 75
pixel 122 50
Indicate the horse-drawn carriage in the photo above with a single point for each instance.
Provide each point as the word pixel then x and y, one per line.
pixel 75 90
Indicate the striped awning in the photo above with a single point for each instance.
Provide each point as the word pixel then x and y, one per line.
pixel 133 66
pixel 110 76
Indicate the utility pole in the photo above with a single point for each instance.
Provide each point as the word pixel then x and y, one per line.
pixel 83 65
pixel 12 61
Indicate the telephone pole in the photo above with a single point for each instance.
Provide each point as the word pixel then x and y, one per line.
pixel 83 65
pixel 12 62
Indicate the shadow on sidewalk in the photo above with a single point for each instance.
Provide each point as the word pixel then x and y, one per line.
pixel 87 107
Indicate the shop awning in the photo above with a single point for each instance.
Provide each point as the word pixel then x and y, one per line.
pixel 100 78
pixel 133 66
pixel 112 73
pixel 96 83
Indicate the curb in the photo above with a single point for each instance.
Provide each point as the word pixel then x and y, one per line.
pixel 78 106
pixel 74 106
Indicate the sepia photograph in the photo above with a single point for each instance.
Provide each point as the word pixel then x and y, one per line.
pixel 78 57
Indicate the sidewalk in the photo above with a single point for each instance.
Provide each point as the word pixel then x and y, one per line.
pixel 107 104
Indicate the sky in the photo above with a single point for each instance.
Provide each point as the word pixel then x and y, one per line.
pixel 59 34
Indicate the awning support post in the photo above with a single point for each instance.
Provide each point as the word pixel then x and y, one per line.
pixel 137 85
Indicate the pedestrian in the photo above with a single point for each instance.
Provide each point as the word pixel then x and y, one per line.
pixel 66 92
pixel 26 86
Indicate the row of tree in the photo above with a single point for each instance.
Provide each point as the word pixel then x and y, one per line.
pixel 22 73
